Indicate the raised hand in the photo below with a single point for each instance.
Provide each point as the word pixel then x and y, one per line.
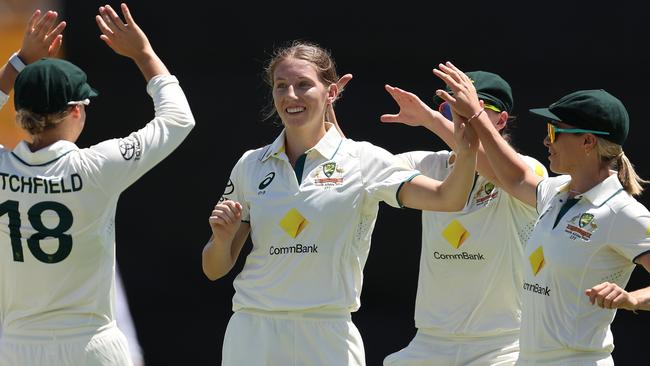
pixel 43 37
pixel 225 220
pixel 126 39
pixel 412 110
pixel 464 101
pixel 610 296
pixel 330 116
pixel 464 135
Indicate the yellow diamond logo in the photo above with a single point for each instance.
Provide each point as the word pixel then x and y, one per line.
pixel 537 260
pixel 293 223
pixel 647 231
pixel 539 170
pixel 455 234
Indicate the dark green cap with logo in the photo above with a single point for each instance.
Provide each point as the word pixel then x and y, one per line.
pixel 592 110
pixel 490 88
pixel 49 84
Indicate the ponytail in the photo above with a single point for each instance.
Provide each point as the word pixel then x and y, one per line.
pixel 613 156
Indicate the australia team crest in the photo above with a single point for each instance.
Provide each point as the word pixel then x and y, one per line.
pixel 581 226
pixel 329 174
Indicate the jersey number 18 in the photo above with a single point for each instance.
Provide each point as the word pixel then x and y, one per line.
pixel 33 242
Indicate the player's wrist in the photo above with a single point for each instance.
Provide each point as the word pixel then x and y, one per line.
pixel 17 62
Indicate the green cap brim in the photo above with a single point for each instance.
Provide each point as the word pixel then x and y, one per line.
pixel 544 112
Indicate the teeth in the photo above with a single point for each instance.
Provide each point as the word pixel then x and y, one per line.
pixel 295 109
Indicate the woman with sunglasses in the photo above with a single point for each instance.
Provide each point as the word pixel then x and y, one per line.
pixel 590 233
pixel 58 201
pixel 478 321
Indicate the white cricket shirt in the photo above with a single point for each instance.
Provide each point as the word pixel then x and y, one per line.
pixel 311 232
pixel 471 261
pixel 595 241
pixel 57 220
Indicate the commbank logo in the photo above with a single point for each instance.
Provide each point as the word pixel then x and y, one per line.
pixel 293 223
pixel 537 261
pixel 267 180
pixel 455 234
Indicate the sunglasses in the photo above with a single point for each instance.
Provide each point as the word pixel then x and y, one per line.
pixel 553 130
pixel 445 109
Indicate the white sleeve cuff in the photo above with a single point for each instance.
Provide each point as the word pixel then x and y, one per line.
pixel 3 98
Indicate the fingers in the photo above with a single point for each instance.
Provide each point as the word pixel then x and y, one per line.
pixel 107 19
pixel 129 19
pixel 55 46
pixel 50 38
pixel 32 21
pixel 114 18
pixel 103 27
pixel 390 118
pixel 226 213
pixel 607 296
pixel 343 81
pixel 44 24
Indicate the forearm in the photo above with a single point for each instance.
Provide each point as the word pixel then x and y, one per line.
pixel 511 172
pixel 217 258
pixel 444 128
pixel 7 78
pixel 643 298
pixel 457 186
pixel 424 193
pixel 150 64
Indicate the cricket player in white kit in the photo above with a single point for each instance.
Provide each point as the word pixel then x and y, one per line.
pixel 590 234
pixel 58 203
pixel 310 201
pixel 468 304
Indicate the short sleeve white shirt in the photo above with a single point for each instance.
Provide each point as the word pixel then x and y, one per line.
pixel 311 233
pixel 470 264
pixel 595 241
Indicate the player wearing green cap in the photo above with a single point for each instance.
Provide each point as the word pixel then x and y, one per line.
pixel 590 233
pixel 58 201
pixel 468 304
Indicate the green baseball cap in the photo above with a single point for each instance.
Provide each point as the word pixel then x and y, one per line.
pixel 593 110
pixel 49 85
pixel 490 87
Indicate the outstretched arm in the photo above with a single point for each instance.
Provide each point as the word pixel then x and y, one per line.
pixel 127 39
pixel 42 38
pixel 414 112
pixel 424 193
pixel 513 174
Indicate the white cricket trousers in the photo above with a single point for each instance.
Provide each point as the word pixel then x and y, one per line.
pixel 427 349
pixel 107 347
pixel 282 338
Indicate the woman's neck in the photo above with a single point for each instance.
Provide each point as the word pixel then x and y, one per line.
pixel 586 179
pixel 298 141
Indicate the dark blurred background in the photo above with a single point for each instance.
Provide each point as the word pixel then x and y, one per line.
pixel 218 51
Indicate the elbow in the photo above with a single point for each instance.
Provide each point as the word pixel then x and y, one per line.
pixel 211 273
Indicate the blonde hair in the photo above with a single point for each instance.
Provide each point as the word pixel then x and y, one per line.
pixel 612 155
pixel 35 123
pixel 307 51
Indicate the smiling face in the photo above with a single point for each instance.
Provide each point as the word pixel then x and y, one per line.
pixel 299 96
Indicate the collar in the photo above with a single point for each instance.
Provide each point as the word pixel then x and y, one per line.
pixel 45 155
pixel 600 193
pixel 327 146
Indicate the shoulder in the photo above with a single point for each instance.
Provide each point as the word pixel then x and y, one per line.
pixel 535 165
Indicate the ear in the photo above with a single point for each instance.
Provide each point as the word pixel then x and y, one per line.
pixel 75 111
pixel 590 143
pixel 332 93
pixel 503 120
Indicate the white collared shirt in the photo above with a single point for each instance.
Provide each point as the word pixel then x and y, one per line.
pixel 473 257
pixel 311 234
pixel 57 220
pixel 595 241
